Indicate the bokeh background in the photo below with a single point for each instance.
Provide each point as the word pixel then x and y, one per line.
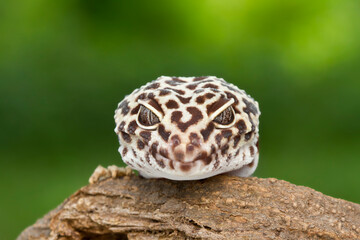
pixel 65 64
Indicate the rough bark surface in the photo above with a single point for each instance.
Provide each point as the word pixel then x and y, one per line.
pixel 221 207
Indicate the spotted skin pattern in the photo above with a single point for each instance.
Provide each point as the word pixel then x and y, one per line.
pixel 187 144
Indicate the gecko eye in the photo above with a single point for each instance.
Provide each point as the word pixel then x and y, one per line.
pixel 226 118
pixel 146 118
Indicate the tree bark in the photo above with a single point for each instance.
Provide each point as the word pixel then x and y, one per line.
pixel 221 207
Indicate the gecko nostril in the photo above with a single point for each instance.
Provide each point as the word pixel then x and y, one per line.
pixel 194 139
pixel 189 148
pixel 175 140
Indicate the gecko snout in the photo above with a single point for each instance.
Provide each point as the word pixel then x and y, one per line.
pixel 185 152
pixel 189 152
pixel 186 149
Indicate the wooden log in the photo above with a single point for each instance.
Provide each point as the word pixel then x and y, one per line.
pixel 221 207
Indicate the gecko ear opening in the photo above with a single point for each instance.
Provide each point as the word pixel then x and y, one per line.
pixel 146 119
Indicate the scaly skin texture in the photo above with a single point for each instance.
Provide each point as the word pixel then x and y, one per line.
pixel 187 143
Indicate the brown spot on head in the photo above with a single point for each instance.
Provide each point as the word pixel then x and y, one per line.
pixel 207 160
pixel 236 140
pixel 207 131
pixel 183 100
pixel 141 96
pixel 226 133
pixel 176 79
pixel 230 95
pixel 178 91
pixel 163 133
pixel 135 110
pixel 196 115
pixel 132 127
pixel 216 105
pixel 121 126
pixel 224 149
pixel 152 86
pixel 175 141
pixel 252 151
pixel 204 158
pixel 200 99
pixel 124 151
pixel 241 126
pixel 217 162
pixel 164 92
pixel 155 105
pixel 160 162
pixel 171 104
pixel 214 90
pixel 172 83
pixel 140 144
pixel 194 139
pixel 250 107
pixel 229 158
pixel 248 136
pixel 176 116
pixel 171 164
pixel 209 85
pixel 134 152
pixel 251 164
pixel 230 87
pixel 124 106
pixel 213 149
pixel 191 86
pixel 126 137
pixel 146 135
pixel 185 167
pixel 209 95
pixel 218 139
pixel 200 78
pixel 153 149
pixel 179 156
pixel 147 157
pixel 208 81
pixel 163 152
pixel 190 148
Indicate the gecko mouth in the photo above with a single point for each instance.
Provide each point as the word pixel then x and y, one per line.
pixel 179 162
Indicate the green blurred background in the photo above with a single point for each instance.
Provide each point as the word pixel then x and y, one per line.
pixel 65 64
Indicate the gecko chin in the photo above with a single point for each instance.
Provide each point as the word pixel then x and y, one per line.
pixel 204 162
pixel 184 163
pixel 180 170
pixel 177 165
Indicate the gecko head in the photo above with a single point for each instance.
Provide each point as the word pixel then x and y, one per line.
pixel 187 128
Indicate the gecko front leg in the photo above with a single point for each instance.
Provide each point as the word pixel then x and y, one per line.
pixel 112 171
